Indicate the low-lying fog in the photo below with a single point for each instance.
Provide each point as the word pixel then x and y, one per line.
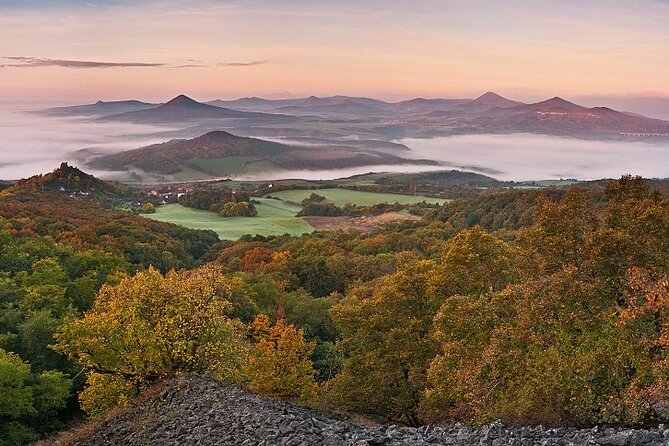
pixel 32 144
pixel 537 157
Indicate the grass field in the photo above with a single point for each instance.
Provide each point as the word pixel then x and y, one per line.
pixel 340 197
pixel 274 218
pixel 202 169
pixel 235 165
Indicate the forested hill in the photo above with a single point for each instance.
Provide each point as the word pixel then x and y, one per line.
pixel 64 207
pixel 172 156
pixel 70 179
pixel 558 317
pixel 58 247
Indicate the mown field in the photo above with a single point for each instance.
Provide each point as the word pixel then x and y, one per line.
pixel 234 165
pixel 274 218
pixel 200 169
pixel 340 197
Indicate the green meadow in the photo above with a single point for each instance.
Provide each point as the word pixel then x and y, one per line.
pixel 274 218
pixel 341 197
pixel 202 169
pixel 234 165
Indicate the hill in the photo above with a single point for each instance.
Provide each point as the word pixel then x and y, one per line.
pixel 71 207
pixel 70 179
pixel 558 116
pixel 174 156
pixel 338 117
pixel 491 113
pixel 445 177
pixel 312 102
pixel 195 409
pixel 491 99
pixel 181 108
pixel 100 108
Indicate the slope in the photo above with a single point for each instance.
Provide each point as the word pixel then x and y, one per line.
pixel 195 409
pixel 180 109
pixel 171 157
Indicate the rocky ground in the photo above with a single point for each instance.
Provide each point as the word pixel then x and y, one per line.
pixel 196 410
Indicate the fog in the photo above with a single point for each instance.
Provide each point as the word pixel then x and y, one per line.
pixel 32 144
pixel 334 174
pixel 537 157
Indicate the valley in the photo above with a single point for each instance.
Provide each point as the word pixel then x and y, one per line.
pixel 317 223
pixel 278 215
pixel 339 136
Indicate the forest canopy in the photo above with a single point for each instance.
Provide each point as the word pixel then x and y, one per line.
pixel 544 306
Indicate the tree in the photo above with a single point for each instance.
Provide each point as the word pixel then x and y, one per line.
pixel 148 208
pixel 475 262
pixel 385 328
pixel 280 366
pixel 581 338
pixel 151 325
pixel 30 403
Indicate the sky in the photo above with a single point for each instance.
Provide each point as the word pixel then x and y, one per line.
pixel 72 51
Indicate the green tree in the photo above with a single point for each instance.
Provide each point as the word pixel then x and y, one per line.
pixel 30 403
pixel 385 330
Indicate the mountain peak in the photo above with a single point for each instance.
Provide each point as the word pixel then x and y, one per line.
pixel 492 99
pixel 215 135
pixel 558 102
pixel 66 178
pixel 489 95
pixel 181 101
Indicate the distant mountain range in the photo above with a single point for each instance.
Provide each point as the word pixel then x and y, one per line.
pixel 648 105
pixel 375 119
pixel 180 109
pixel 219 153
pixel 555 116
pixel 100 108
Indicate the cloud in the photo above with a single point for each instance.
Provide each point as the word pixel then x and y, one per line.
pixel 35 62
pixel 189 66
pixel 38 62
pixel 243 64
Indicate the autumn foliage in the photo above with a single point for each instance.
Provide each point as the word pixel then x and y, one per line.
pixel 151 325
pixel 546 306
pixel 280 365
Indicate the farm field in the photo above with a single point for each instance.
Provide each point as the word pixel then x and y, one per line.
pixel 234 165
pixel 340 197
pixel 203 169
pixel 274 218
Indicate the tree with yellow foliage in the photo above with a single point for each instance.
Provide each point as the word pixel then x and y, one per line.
pixel 151 325
pixel 280 366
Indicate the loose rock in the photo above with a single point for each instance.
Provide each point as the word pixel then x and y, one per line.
pixel 197 410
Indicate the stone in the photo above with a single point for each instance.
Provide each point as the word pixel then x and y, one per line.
pixel 197 410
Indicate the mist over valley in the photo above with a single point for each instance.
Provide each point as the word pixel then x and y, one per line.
pixel 352 131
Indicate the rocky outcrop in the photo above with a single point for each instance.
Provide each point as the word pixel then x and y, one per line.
pixel 197 410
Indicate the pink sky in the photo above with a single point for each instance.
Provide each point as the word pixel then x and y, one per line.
pixel 388 49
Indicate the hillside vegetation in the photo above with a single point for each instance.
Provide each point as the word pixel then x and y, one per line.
pixel 555 314
pixel 225 150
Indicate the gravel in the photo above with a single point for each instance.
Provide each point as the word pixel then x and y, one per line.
pixel 197 410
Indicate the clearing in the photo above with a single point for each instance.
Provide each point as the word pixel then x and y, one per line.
pixel 340 197
pixel 364 224
pixel 274 218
